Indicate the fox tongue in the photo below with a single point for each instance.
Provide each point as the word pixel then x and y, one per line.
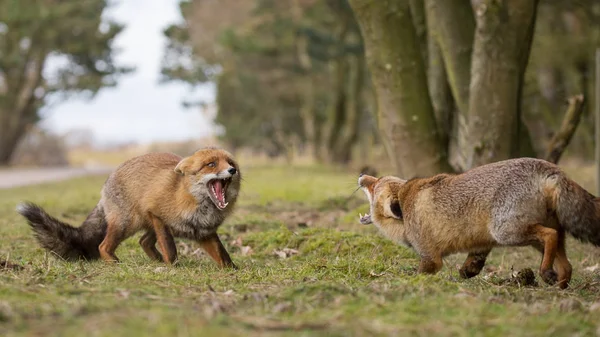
pixel 218 184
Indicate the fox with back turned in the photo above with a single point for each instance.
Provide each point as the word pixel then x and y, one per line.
pixel 161 194
pixel 517 202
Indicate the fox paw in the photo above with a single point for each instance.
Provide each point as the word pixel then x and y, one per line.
pixel 549 276
pixel 469 271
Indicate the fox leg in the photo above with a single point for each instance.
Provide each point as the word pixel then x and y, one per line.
pixel 473 264
pixel 148 243
pixel 430 265
pixel 165 240
pixel 214 248
pixel 549 238
pixel 114 236
pixel 562 263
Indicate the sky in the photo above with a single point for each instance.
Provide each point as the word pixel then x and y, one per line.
pixel 139 109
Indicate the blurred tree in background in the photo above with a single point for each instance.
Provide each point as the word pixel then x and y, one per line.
pixel 50 47
pixel 447 84
pixel 289 74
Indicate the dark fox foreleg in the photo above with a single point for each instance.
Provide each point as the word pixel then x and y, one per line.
pixel 214 248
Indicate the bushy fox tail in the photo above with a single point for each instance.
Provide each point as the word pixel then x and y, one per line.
pixel 578 211
pixel 66 241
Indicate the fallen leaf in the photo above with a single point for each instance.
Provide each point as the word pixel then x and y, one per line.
pixel 592 269
pixel 123 293
pixel 237 242
pixel 246 250
pixel 285 252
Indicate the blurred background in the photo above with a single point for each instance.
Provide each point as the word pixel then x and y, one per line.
pixel 93 82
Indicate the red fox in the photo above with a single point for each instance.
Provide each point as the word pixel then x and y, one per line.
pixel 161 194
pixel 517 202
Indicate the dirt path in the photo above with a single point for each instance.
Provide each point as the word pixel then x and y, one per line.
pixel 21 177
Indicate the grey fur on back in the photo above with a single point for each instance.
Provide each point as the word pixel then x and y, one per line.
pixel 64 240
pixel 525 191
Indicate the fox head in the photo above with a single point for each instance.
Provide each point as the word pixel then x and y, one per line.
pixel 212 172
pixel 383 199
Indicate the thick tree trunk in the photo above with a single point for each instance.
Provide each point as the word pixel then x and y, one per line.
pixel 406 116
pixel 439 89
pixel 454 31
pixel 452 25
pixel 501 42
pixel 417 10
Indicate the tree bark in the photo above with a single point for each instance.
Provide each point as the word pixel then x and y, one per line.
pixel 452 25
pixel 406 116
pixel 417 10
pixel 501 43
pixel 454 32
pixel 439 88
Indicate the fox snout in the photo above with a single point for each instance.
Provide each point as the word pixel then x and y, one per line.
pixel 367 184
pixel 366 181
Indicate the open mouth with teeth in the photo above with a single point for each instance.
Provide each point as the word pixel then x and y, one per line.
pixel 364 219
pixel 216 191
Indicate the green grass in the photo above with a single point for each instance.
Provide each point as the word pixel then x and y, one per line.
pixel 345 279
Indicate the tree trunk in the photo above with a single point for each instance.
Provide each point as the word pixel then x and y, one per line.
pixel 354 111
pixel 10 135
pixel 454 31
pixel 522 142
pixel 439 89
pixel 19 104
pixel 452 25
pixel 406 116
pixel 417 10
pixel 501 43
pixel 337 108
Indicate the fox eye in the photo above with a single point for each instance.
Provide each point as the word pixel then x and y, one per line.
pixel 211 164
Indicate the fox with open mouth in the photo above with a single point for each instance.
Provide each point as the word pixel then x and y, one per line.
pixel 162 194
pixel 516 202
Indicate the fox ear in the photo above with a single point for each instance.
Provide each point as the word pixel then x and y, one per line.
pixel 183 166
pixel 395 209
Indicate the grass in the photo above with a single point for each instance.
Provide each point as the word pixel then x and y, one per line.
pixel 332 276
